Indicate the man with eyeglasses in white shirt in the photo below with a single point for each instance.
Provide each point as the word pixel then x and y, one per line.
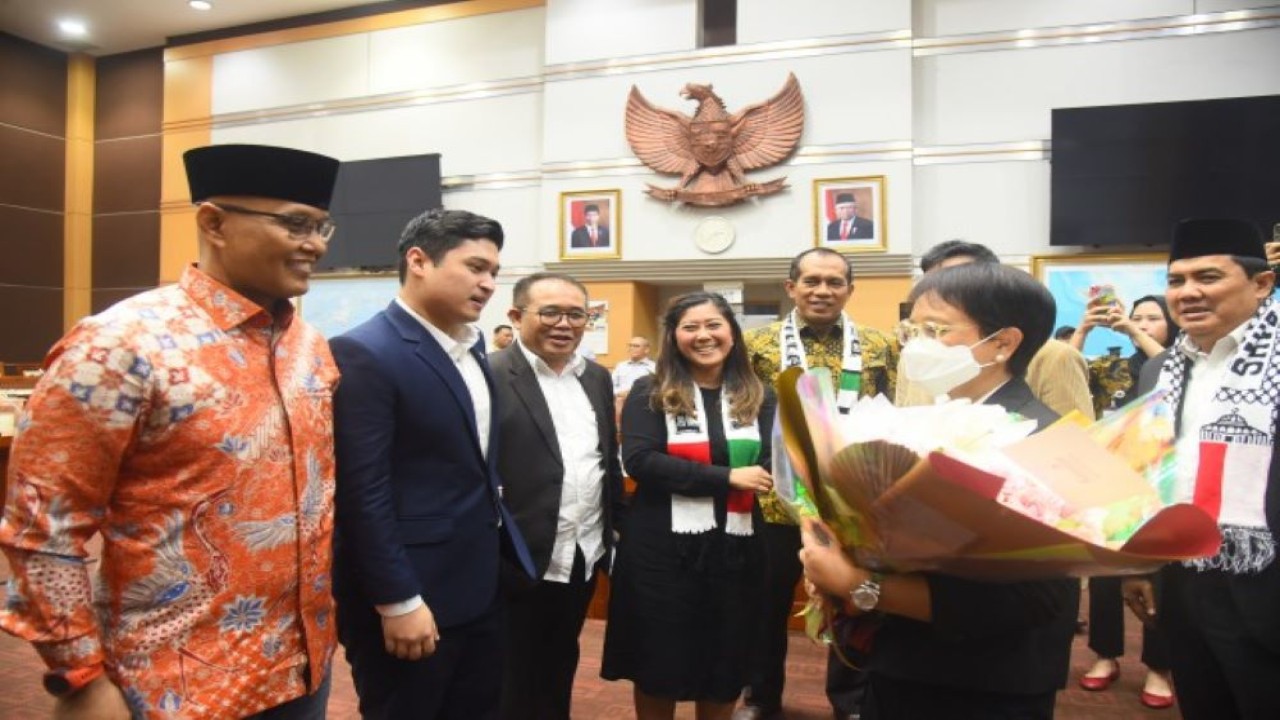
pixel 558 459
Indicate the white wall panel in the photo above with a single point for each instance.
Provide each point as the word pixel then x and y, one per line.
pixel 853 97
pixel 579 30
pixel 1004 206
pixel 294 74
pixel 1007 95
pixel 480 136
pixel 936 18
pixel 475 49
pixel 1208 6
pixel 769 20
pixel 518 211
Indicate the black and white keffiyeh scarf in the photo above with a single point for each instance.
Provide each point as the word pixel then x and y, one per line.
pixel 1237 438
pixel 849 384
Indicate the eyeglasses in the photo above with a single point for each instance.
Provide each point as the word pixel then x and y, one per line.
pixel 299 226
pixel 908 330
pixel 551 316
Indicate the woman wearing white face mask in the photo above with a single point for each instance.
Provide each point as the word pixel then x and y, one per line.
pixel 948 647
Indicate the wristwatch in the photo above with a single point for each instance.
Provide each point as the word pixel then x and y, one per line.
pixel 866 596
pixel 61 682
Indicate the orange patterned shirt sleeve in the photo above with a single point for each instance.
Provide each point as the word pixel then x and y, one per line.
pixel 194 432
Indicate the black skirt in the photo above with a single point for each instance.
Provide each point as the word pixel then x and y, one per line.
pixel 681 609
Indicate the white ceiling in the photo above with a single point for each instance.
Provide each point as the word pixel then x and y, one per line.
pixel 121 25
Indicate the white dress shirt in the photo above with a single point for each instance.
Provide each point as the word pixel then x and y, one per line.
pixel 580 523
pixel 627 373
pixel 459 350
pixel 1204 377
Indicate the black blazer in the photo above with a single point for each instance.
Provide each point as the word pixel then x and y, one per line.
pixel 530 465
pixel 987 637
pixel 581 238
pixel 861 228
pixel 417 502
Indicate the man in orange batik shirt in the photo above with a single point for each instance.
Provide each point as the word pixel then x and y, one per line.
pixel 191 426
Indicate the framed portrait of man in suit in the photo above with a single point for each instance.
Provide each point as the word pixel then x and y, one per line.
pixel 849 215
pixel 590 225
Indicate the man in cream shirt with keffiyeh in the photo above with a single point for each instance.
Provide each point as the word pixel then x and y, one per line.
pixel 1222 614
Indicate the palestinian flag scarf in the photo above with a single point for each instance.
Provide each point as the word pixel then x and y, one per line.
pixel 687 438
pixel 793 355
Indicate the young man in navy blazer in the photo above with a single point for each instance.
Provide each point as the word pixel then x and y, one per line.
pixel 420 522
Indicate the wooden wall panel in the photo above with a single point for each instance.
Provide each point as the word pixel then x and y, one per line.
pixel 130 94
pixel 32 247
pixel 127 175
pixel 33 124
pixel 33 82
pixel 103 299
pixel 127 166
pixel 126 251
pixel 26 336
pixel 31 169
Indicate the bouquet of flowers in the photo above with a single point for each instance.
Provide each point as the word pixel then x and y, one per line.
pixel 968 490
pixel 898 485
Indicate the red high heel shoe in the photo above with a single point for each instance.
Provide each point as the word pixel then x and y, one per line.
pixel 1098 684
pixel 1156 702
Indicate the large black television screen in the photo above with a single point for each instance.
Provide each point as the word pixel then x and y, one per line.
pixel 1125 174
pixel 372 202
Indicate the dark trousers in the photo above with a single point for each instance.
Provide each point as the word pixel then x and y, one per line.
pixel 461 681
pixel 1224 641
pixel 766 673
pixel 312 706
pixel 1106 625
pixel 892 699
pixel 542 628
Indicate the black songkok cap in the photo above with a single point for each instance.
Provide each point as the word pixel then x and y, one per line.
pixel 260 171
pixel 1216 236
pixel 591 208
pixel 843 198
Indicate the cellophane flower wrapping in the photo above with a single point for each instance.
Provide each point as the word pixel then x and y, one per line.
pixel 849 469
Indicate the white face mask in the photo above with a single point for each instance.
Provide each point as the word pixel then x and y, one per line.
pixel 937 368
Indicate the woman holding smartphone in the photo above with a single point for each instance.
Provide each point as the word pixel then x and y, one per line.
pixel 1111 379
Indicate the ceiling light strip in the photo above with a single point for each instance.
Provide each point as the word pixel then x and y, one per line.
pixel 388 101
pixel 754 52
pixel 1178 26
pixel 1015 151
pixel 703 269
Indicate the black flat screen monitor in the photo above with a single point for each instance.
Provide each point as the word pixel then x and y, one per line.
pixel 1124 174
pixel 372 202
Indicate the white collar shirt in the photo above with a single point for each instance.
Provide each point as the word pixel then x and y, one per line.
pixel 1204 376
pixel 628 372
pixel 580 523
pixel 459 350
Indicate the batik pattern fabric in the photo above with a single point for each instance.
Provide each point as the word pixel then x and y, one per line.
pixel 879 371
pixel 1109 382
pixel 193 430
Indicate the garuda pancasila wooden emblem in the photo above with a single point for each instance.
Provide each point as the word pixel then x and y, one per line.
pixel 712 150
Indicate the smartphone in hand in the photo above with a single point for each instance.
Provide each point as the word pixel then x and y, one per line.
pixel 1102 294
